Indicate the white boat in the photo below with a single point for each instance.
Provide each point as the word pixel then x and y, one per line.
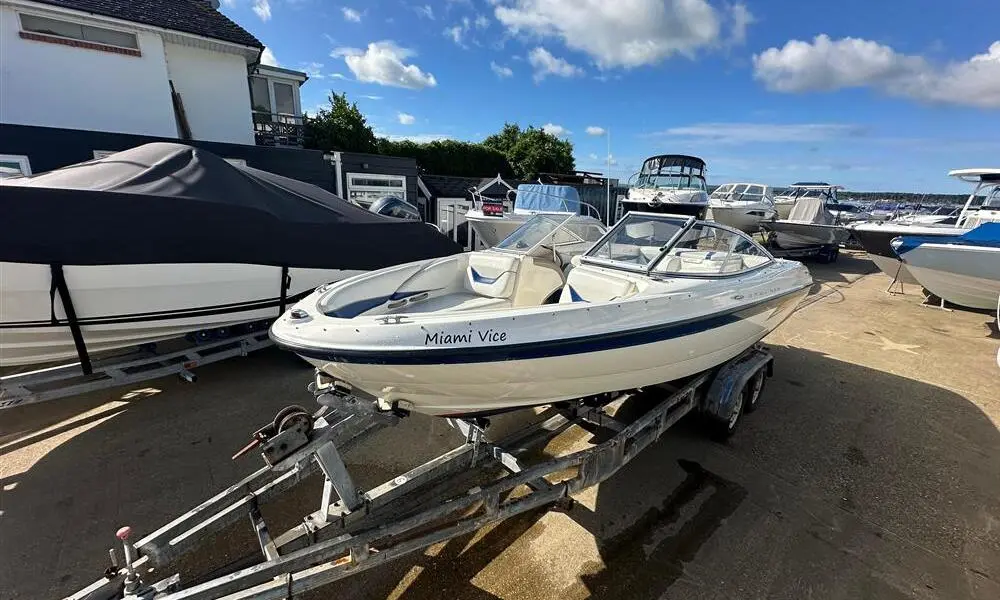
pixel 982 206
pixel 669 183
pixel 784 202
pixel 165 240
pixel 742 205
pixel 962 269
pixel 809 224
pixel 492 225
pixel 657 298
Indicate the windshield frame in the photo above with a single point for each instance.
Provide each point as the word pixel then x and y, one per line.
pixel 560 219
pixel 687 225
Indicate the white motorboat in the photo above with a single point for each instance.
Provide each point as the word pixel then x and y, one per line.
pixel 962 269
pixel 784 202
pixel 669 183
pixel 657 298
pixel 982 206
pixel 492 225
pixel 742 205
pixel 165 240
pixel 809 224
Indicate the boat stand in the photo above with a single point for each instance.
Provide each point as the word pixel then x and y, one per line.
pixel 895 279
pixel 142 364
pixel 477 483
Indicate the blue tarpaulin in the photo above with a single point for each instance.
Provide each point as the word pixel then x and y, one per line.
pixel 546 198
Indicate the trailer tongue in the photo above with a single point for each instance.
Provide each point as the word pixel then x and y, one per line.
pixel 454 494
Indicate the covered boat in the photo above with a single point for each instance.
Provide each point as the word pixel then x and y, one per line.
pixel 492 224
pixel 808 224
pixel 164 240
pixel 547 315
pixel 962 269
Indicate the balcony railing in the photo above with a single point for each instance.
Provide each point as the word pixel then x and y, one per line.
pixel 272 129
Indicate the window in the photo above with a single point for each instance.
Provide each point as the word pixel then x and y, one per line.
pixel 260 95
pixel 274 100
pixel 708 250
pixel 76 31
pixel 365 188
pixel 284 99
pixel 12 165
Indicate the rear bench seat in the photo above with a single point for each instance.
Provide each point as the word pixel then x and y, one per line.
pixel 588 285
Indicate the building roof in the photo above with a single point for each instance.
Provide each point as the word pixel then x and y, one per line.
pixel 188 16
pixel 447 186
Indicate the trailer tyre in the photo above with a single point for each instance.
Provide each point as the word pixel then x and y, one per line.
pixel 723 430
pixel 754 389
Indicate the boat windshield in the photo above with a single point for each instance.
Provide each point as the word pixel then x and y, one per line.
pixel 672 172
pixel 638 239
pixel 743 192
pixel 566 234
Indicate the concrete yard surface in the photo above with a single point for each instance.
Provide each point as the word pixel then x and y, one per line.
pixel 871 470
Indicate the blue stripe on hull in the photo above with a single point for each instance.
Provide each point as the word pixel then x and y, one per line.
pixel 540 349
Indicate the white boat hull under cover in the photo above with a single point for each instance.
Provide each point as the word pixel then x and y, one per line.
pixel 963 275
pixel 489 354
pixel 791 234
pixel 125 305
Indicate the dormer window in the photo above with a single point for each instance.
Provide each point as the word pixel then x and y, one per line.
pixel 45 29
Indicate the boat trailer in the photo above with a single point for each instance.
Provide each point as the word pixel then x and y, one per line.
pixel 473 485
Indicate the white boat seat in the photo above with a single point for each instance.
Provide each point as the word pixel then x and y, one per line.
pixel 588 285
pixel 492 274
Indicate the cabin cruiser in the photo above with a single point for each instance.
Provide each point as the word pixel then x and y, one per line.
pixel 962 269
pixel 742 205
pixel 784 202
pixel 547 315
pixel 670 183
pixel 166 240
pixel 982 206
pixel 809 224
pixel 492 225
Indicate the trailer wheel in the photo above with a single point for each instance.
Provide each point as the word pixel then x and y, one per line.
pixel 754 388
pixel 722 430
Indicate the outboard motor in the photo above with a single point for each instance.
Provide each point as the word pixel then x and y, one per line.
pixel 391 206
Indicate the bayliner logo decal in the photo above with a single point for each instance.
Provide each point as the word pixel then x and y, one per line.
pixel 490 336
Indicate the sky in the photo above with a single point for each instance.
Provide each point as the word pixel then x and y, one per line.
pixel 873 95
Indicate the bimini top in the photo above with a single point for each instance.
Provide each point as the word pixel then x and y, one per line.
pixel 815 185
pixel 537 197
pixel 675 160
pixel 171 203
pixel 976 175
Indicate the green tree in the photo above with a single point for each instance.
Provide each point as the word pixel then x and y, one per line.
pixel 532 151
pixel 341 127
pixel 450 157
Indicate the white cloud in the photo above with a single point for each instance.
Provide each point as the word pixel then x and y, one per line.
pixel 740 18
pixel 267 58
pixel 545 64
pixel 370 97
pixel 556 130
pixel 595 130
pixel 455 33
pixel 382 63
pixel 826 65
pixel 501 71
pixel 263 9
pixel 593 156
pixel 405 119
pixel 742 133
pixel 338 76
pixel 350 14
pixel 425 11
pixel 619 34
pixel 482 22
pixel 312 69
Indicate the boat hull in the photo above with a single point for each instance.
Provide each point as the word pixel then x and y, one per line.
pixel 119 306
pixel 790 234
pixel 876 240
pixel 963 275
pixel 744 218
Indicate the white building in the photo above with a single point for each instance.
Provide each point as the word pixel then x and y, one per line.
pixel 158 68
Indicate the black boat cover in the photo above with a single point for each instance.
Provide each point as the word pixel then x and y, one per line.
pixel 171 203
